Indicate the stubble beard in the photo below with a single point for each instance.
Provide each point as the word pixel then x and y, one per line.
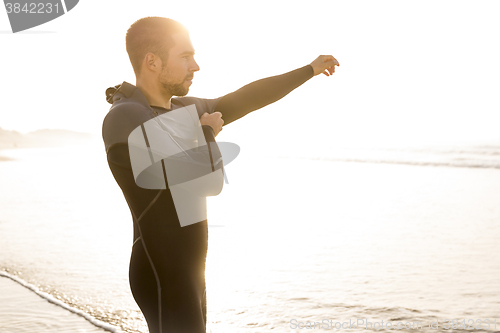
pixel 174 89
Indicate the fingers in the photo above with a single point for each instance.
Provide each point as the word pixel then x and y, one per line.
pixel 330 58
pixel 220 116
pixel 330 62
pixel 329 71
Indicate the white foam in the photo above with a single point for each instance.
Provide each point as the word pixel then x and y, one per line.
pixel 63 305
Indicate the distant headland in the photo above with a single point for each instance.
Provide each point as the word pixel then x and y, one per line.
pixel 43 138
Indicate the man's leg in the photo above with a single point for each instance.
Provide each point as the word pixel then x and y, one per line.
pixel 178 257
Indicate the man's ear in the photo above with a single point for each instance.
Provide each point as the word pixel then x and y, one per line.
pixel 151 61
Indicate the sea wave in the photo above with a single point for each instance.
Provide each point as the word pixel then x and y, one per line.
pixel 463 157
pixel 63 305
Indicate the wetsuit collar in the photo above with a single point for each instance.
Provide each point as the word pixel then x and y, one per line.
pixel 125 90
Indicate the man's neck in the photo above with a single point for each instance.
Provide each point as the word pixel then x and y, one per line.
pixel 153 94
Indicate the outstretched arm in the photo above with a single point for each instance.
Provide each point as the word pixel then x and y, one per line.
pixel 263 92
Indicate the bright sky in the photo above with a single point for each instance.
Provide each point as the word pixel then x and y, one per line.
pixel 411 71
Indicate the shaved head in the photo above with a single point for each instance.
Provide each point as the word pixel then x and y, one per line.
pixel 151 35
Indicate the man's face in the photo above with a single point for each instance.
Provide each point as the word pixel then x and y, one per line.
pixel 179 68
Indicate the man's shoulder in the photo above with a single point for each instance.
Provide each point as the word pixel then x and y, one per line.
pixel 128 111
pixel 202 104
pixel 122 119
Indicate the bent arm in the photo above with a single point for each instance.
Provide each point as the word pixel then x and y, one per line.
pixel 157 158
pixel 260 93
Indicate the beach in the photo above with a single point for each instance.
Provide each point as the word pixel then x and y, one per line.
pixel 290 241
pixel 365 196
pixel 26 309
pixel 22 311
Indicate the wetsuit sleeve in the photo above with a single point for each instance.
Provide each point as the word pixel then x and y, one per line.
pixel 209 133
pixel 213 148
pixel 121 121
pixel 260 93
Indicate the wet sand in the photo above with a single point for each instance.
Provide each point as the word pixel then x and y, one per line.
pixel 23 311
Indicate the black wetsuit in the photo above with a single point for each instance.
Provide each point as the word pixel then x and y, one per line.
pixel 167 265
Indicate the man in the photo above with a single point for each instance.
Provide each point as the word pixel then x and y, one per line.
pixel 167 266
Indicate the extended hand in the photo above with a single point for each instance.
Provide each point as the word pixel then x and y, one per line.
pixel 324 64
pixel 213 119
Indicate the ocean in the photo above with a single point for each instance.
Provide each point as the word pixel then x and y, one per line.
pixel 347 239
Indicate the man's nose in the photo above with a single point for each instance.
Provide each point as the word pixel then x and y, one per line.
pixel 195 67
